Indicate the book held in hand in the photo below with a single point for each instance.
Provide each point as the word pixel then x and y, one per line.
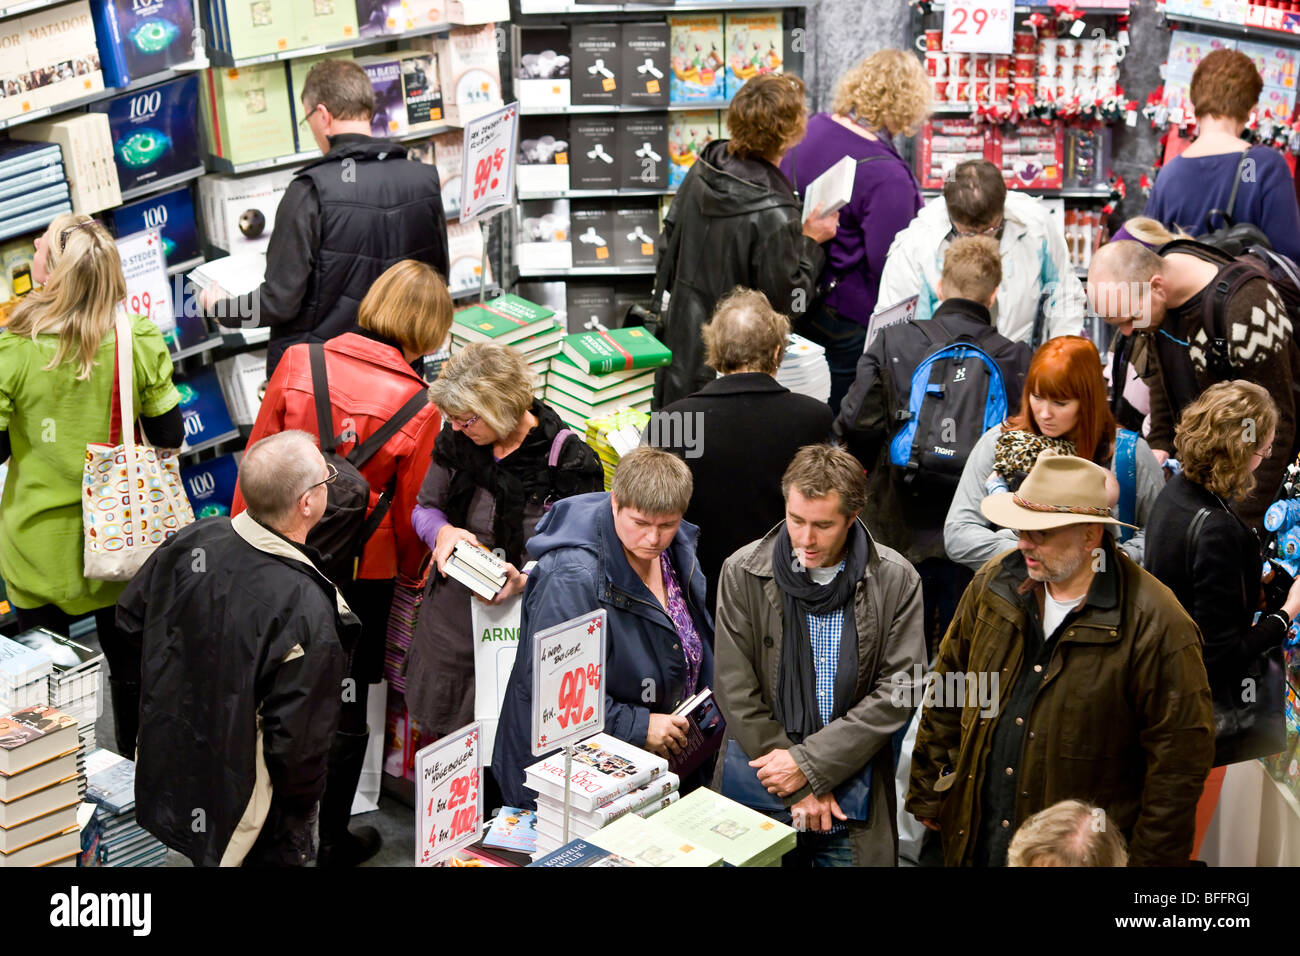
pixel 832 190
pixel 704 733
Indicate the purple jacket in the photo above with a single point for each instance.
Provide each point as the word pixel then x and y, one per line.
pixel 886 197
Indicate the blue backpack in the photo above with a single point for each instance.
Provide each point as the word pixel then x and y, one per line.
pixel 957 394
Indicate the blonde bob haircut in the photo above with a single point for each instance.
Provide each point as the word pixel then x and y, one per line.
pixel 1069 833
pixel 488 380
pixel 887 91
pixel 653 482
pixel 745 335
pixel 1220 432
pixel 410 305
pixel 80 295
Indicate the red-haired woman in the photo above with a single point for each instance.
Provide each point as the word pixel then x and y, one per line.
pixel 1064 409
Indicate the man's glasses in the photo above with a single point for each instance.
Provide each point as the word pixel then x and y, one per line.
pixel 327 480
pixel 303 122
pixel 1036 537
pixel 994 231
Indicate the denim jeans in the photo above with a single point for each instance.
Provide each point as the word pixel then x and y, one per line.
pixel 843 340
pixel 821 849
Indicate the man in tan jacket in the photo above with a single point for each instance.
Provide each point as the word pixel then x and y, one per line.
pixel 1102 691
pixel 818 638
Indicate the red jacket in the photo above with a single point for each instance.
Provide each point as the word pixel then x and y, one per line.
pixel 369 382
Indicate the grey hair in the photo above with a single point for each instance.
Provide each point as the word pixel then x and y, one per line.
pixel 274 473
pixel 485 379
pixel 1068 833
pixel 653 482
pixel 745 334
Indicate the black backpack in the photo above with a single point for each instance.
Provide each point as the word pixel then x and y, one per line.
pixel 344 529
pixel 1234 238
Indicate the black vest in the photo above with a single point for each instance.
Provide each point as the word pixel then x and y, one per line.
pixel 376 208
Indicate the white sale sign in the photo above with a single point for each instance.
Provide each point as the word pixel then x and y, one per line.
pixel 449 804
pixel 148 290
pixel 568 671
pixel 488 163
pixel 978 26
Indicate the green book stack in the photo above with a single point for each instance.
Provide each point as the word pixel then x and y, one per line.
pixel 615 350
pixel 247 113
pixel 647 843
pixel 743 837
pixel 505 320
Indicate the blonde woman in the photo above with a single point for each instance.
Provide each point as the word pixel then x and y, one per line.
pixel 57 361
pixel 885 95
pixel 404 316
pixel 491 480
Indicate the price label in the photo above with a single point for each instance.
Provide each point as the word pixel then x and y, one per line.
pixel 489 163
pixel 148 290
pixel 449 804
pixel 978 26
pixel 568 679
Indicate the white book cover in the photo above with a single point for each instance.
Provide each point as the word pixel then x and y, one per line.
pixel 635 801
pixel 470 580
pixel 237 275
pixel 832 190
pixel 481 559
pixel 603 768
pixel 62 58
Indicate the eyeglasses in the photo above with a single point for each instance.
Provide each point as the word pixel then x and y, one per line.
pixel 327 480
pixel 1037 537
pixel 1265 454
pixel 456 422
pixel 63 236
pixel 994 231
pixel 303 122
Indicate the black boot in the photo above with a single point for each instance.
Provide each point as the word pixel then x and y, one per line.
pixel 339 846
pixel 126 714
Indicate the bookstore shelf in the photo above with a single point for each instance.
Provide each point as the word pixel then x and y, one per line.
pixel 162 185
pixel 1280 37
pixel 13 9
pixel 211 443
pixel 95 97
pixel 1111 8
pixel 691 105
pixel 1099 194
pixel 207 345
pixel 221 58
pixel 217 164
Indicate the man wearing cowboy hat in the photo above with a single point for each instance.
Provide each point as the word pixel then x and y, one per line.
pixel 1102 693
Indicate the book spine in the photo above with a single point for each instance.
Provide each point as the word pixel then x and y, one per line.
pixel 483 579
pixel 482 560
pixel 469 580
pixel 111 44
pixel 29 162
pixel 34 200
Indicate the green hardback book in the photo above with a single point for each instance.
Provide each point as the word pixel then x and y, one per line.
pixel 615 351
pixel 639 400
pixel 252 116
pixel 505 320
pixel 647 843
pixel 259 27
pixel 596 390
pixel 322 21
pixel 743 837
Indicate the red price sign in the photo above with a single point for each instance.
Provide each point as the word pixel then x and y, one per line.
pixel 568 668
pixel 978 26
pixel 449 809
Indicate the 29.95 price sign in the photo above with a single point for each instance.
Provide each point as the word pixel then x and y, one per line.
pixel 449 798
pixel 978 26
pixel 568 679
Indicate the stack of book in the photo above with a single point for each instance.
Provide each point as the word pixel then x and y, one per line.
pixel 603 769
pixel 510 320
pixel 39 788
pixel 122 841
pixel 76 679
pixel 477 568
pixel 804 369
pixel 50 58
pixel 642 802
pixel 24 676
pixel 33 187
pixel 602 372
pixel 613 436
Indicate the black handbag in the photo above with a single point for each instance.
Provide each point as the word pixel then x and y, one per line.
pixel 1245 730
pixel 1233 237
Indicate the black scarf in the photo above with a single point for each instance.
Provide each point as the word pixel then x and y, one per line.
pixel 795 706
pixel 514 480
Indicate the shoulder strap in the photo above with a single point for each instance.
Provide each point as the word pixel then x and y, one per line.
pixel 1126 471
pixel 556 444
pixel 1236 183
pixel 1214 307
pixel 320 387
pixel 363 452
pixel 1189 540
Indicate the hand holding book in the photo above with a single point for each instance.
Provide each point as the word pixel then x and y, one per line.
pixel 821 227
pixel 666 735
pixel 445 543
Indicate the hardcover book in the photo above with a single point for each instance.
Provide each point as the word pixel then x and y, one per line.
pixel 112 786
pixel 13 786
pixel 33 735
pixel 603 768
pixel 743 837
pixel 631 802
pixel 210 485
pixel 203 409
pixel 593 157
pixel 649 844
pixel 86 143
pixel 643 151
pixel 504 320
pixel 593 234
pixel 61 846
pixel 644 65
pixel 550 821
pixel 155 131
pixel 20 664
pixel 688 134
pixel 62 58
pixel 389 117
pixel 543 68
pixel 596 64
pixel 257 27
pixel 239 211
pixel 140 37
pixel 322 21
pixel 590 307
pixel 19 158
pixel 249 112
pixel 581 853
pixel 696 58
pixel 420 86
pixel 616 350
pixel 755 44
pixel 544 241
pixel 543 154
pixel 563 377
pixel 38 828
pixel 639 400
pixel 549 295
pixel 172 214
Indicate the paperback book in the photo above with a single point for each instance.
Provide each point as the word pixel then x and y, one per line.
pixel 593 234
pixel 696 58
pixel 597 61
pixel 688 134
pixel 644 64
pixel 603 768
pixel 755 44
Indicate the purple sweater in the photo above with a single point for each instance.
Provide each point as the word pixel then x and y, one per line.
pixel 886 197
pixel 1189 187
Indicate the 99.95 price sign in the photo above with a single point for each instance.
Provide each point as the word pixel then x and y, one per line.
pixel 978 26
pixel 449 798
pixel 488 163
pixel 148 290
pixel 568 679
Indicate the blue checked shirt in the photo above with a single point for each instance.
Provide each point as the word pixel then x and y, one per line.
pixel 825 631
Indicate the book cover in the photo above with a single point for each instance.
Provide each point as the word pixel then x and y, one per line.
pixel 378 17
pixel 581 853
pixel 210 485
pixel 448 154
pixel 33 735
pixel 513 829
pixel 20 664
pixel 696 58
pixel 544 241
pixel 543 68
pixel 418 14
pixel 66 655
pixel 688 134
pixel 649 844
pixel 743 837
pixel 321 21
pixel 543 154
pixel 465 254
pixel 63 60
pixel 549 295
pixel 389 117
pixel 257 27
pixel 203 409
pixel 113 787
pixel 420 87
pixel 18 158
pixel 590 307
pixel 147 36
pixel 755 44
pixel 476 556
pixel 603 768
pixel 251 114
pixel 504 320
pixel 833 189
pixel 239 211
pixel 172 214
pixel 616 350
pixel 643 151
pixel 155 131
pixel 469 72
pixel 593 158
pixel 705 731
pixel 644 65
pixel 596 64
pixel 593 234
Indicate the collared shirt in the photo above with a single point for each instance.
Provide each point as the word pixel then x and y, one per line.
pixel 825 631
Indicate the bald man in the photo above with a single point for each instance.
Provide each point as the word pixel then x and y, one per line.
pixel 1164 298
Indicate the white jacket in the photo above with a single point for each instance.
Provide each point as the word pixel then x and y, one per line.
pixel 1034 260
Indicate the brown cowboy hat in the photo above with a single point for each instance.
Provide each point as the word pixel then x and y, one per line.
pixel 1059 490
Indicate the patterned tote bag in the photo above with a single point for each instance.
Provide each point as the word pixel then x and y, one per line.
pixel 132 498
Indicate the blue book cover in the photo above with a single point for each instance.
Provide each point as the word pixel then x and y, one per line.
pixel 17 158
pixel 203 408
pixel 36 179
pixel 172 214
pixel 211 486
pixel 581 853
pixel 512 828
pixel 155 131
pixel 113 788
pixel 140 37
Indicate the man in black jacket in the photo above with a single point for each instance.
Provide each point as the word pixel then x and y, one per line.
pixel 241 638
pixel 344 219
pixel 736 221
pixel 869 418
pixel 739 432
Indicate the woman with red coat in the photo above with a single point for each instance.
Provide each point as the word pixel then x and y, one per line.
pixel 406 314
